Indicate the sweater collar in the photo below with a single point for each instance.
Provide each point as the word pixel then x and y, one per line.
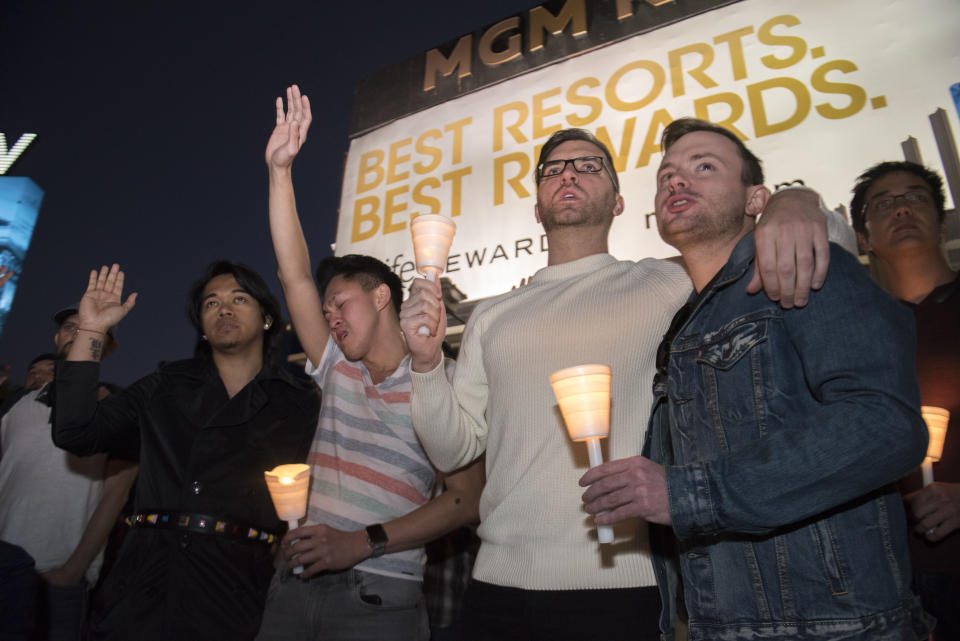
pixel 573 268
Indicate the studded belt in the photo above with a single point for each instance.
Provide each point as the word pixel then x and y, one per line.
pixel 201 524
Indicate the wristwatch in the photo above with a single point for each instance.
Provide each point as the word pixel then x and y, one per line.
pixel 377 540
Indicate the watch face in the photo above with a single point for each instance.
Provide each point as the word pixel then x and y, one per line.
pixel 377 539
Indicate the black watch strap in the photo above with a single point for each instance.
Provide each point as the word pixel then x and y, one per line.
pixel 377 540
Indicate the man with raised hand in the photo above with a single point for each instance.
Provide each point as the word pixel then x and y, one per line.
pixel 540 572
pixel 776 436
pixel 198 559
pixel 370 508
pixel 57 506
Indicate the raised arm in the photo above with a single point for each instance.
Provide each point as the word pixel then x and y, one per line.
pixel 101 307
pixel 80 424
pixel 289 245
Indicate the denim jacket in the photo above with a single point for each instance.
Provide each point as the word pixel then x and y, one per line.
pixel 782 432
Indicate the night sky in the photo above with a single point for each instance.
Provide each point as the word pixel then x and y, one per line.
pixel 152 120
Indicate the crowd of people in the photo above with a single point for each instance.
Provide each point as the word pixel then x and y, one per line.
pixel 762 477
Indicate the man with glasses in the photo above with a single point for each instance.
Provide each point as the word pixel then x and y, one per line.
pixel 777 435
pixel 898 213
pixel 540 572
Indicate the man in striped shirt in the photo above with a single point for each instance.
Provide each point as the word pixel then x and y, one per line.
pixel 370 509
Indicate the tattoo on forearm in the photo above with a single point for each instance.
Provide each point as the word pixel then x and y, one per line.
pixel 96 348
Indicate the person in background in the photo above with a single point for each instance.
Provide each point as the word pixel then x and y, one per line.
pixel 898 213
pixel 57 506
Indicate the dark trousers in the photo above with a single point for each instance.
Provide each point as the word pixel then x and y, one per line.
pixel 495 613
pixel 940 594
pixel 18 593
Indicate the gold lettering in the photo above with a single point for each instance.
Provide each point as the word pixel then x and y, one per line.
pixel 651 142
pixel 626 137
pixel 656 73
pixel 492 58
pixel 573 13
pixel 734 40
pixel 515 181
pixel 766 36
pixel 428 150
pixel 457 129
pixel 365 212
pixel 592 102
pixel 422 199
pixel 858 97
pixel 455 179
pixel 761 124
pixel 438 63
pixel 675 58
pixel 514 130
pixel 540 112
pixel 392 207
pixel 701 108
pixel 370 163
pixel 394 158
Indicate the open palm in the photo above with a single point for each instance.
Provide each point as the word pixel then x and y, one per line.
pixel 102 305
pixel 291 129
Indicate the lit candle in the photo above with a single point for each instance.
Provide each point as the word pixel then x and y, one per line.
pixel 583 394
pixel 937 419
pixel 432 237
pixel 288 486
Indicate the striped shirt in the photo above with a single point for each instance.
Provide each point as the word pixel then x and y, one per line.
pixel 367 465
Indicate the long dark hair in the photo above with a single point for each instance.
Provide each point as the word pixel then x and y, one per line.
pixel 251 282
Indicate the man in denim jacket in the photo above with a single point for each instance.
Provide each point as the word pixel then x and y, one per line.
pixel 776 435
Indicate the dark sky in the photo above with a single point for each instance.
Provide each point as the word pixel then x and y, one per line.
pixel 152 120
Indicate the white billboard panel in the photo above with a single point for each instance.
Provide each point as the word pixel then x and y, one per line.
pixel 819 89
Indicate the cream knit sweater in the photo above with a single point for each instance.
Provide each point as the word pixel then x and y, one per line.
pixel 535 534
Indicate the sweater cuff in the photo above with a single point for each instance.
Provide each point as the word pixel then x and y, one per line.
pixel 426 378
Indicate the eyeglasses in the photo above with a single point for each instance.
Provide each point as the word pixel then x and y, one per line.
pixel 886 204
pixel 582 165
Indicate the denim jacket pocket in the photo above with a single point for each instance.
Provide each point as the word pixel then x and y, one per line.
pixel 728 391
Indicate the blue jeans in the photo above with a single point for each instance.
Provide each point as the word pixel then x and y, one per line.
pixel 344 606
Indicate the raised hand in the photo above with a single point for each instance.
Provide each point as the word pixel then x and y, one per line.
pixel 102 305
pixel 291 130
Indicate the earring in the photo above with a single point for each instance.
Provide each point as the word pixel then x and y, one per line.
pixel 266 326
pixel 203 336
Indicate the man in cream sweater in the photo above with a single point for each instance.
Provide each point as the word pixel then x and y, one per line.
pixel 540 572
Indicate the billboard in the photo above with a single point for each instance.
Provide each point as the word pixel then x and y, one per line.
pixel 819 90
pixel 20 200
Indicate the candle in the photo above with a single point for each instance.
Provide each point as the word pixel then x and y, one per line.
pixel 936 419
pixel 432 237
pixel 288 486
pixel 583 394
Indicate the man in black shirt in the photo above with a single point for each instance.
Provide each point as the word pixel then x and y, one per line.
pixel 198 559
